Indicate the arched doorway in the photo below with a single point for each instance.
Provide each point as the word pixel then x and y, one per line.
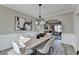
pixel 54 27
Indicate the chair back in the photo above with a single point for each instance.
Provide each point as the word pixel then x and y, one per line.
pixel 49 44
pixel 16 47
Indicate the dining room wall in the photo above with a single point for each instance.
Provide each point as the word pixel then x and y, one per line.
pixel 7 20
pixel 66 19
pixel 76 25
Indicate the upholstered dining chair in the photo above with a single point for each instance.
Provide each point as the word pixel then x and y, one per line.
pixel 44 48
pixel 19 49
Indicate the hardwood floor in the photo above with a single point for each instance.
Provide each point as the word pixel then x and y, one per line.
pixel 68 50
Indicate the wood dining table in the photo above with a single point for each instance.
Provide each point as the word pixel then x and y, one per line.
pixel 33 42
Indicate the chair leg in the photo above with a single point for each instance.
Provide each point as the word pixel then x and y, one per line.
pixel 34 51
pixel 38 53
pixel 50 50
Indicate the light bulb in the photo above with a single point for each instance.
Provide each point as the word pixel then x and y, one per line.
pixel 36 22
pixel 42 22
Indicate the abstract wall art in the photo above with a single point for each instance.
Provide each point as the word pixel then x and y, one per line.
pixel 22 24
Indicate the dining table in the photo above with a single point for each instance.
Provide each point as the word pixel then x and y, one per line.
pixel 33 42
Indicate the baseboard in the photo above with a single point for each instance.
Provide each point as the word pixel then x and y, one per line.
pixel 6 49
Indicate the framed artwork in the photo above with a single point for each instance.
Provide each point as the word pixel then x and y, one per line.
pixel 22 24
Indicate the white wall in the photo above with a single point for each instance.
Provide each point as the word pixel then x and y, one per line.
pixel 7 20
pixel 68 36
pixel 76 25
pixel 66 19
pixel 7 26
pixel 6 40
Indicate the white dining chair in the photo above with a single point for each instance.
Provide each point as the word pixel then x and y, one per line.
pixel 19 50
pixel 44 48
pixel 16 47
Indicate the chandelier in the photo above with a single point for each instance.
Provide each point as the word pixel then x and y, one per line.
pixel 39 20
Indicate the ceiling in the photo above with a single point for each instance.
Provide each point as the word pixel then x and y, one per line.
pixel 46 9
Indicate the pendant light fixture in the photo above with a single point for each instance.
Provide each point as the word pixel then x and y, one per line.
pixel 39 20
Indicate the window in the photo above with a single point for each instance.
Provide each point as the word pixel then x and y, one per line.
pixel 58 28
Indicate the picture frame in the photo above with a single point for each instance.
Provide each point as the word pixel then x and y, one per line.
pixel 22 24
